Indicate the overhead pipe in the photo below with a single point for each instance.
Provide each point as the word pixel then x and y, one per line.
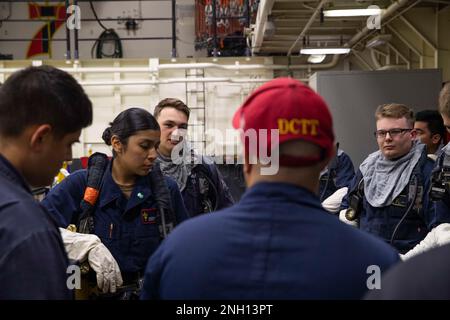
pixel 261 19
pixel 308 25
pixel 90 0
pixel 76 54
pixel 68 49
pixel 214 29
pixel 237 67
pixel 174 29
pixel 178 66
pixel 87 20
pixel 375 61
pixel 335 58
pixel 169 81
pixel 83 39
pixel 391 10
pixel 388 13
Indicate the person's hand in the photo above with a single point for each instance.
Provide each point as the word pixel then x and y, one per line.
pixel 437 237
pixel 80 246
pixel 106 268
pixel 333 202
pixel 344 219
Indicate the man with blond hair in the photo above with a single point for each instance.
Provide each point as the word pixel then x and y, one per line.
pixel 388 197
pixel 426 275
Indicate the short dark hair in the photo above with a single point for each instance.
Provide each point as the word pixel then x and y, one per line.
pixel 434 121
pixel 127 123
pixel 43 95
pixel 171 103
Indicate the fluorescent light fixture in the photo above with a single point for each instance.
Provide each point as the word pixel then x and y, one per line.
pixel 325 51
pixel 316 58
pixel 352 12
pixel 36 63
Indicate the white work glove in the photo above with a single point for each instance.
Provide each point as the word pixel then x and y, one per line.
pixel 80 246
pixel 437 237
pixel 333 202
pixel 106 268
pixel 342 217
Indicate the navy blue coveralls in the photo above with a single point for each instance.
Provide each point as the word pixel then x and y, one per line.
pixel 418 222
pixel 277 242
pixel 443 206
pixel 339 174
pixel 33 261
pixel 127 227
pixel 200 195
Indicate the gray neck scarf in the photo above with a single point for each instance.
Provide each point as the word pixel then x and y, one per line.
pixel 439 149
pixel 385 179
pixel 178 172
pixel 446 149
pixel 181 170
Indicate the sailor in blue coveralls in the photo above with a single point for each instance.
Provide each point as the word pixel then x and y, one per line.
pixel 42 112
pixel 390 191
pixel 426 276
pixel 338 174
pixel 277 242
pixel 126 215
pixel 440 182
pixel 201 183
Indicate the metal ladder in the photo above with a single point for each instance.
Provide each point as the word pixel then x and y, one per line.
pixel 196 101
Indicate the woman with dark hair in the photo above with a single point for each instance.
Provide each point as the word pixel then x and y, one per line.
pixel 126 216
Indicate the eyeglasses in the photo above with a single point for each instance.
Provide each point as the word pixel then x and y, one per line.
pixel 381 134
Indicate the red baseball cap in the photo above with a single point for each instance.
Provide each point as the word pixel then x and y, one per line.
pixel 295 110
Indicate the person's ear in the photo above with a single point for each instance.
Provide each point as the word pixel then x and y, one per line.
pixel 435 138
pixel 116 144
pixel 413 134
pixel 247 169
pixel 40 136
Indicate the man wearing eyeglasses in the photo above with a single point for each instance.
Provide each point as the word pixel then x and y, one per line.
pixel 426 276
pixel 389 195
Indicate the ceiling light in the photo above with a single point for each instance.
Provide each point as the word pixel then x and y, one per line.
pixel 325 51
pixel 316 58
pixel 352 12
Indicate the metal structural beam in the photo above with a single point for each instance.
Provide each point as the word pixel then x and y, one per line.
pixel 265 6
pixel 308 24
